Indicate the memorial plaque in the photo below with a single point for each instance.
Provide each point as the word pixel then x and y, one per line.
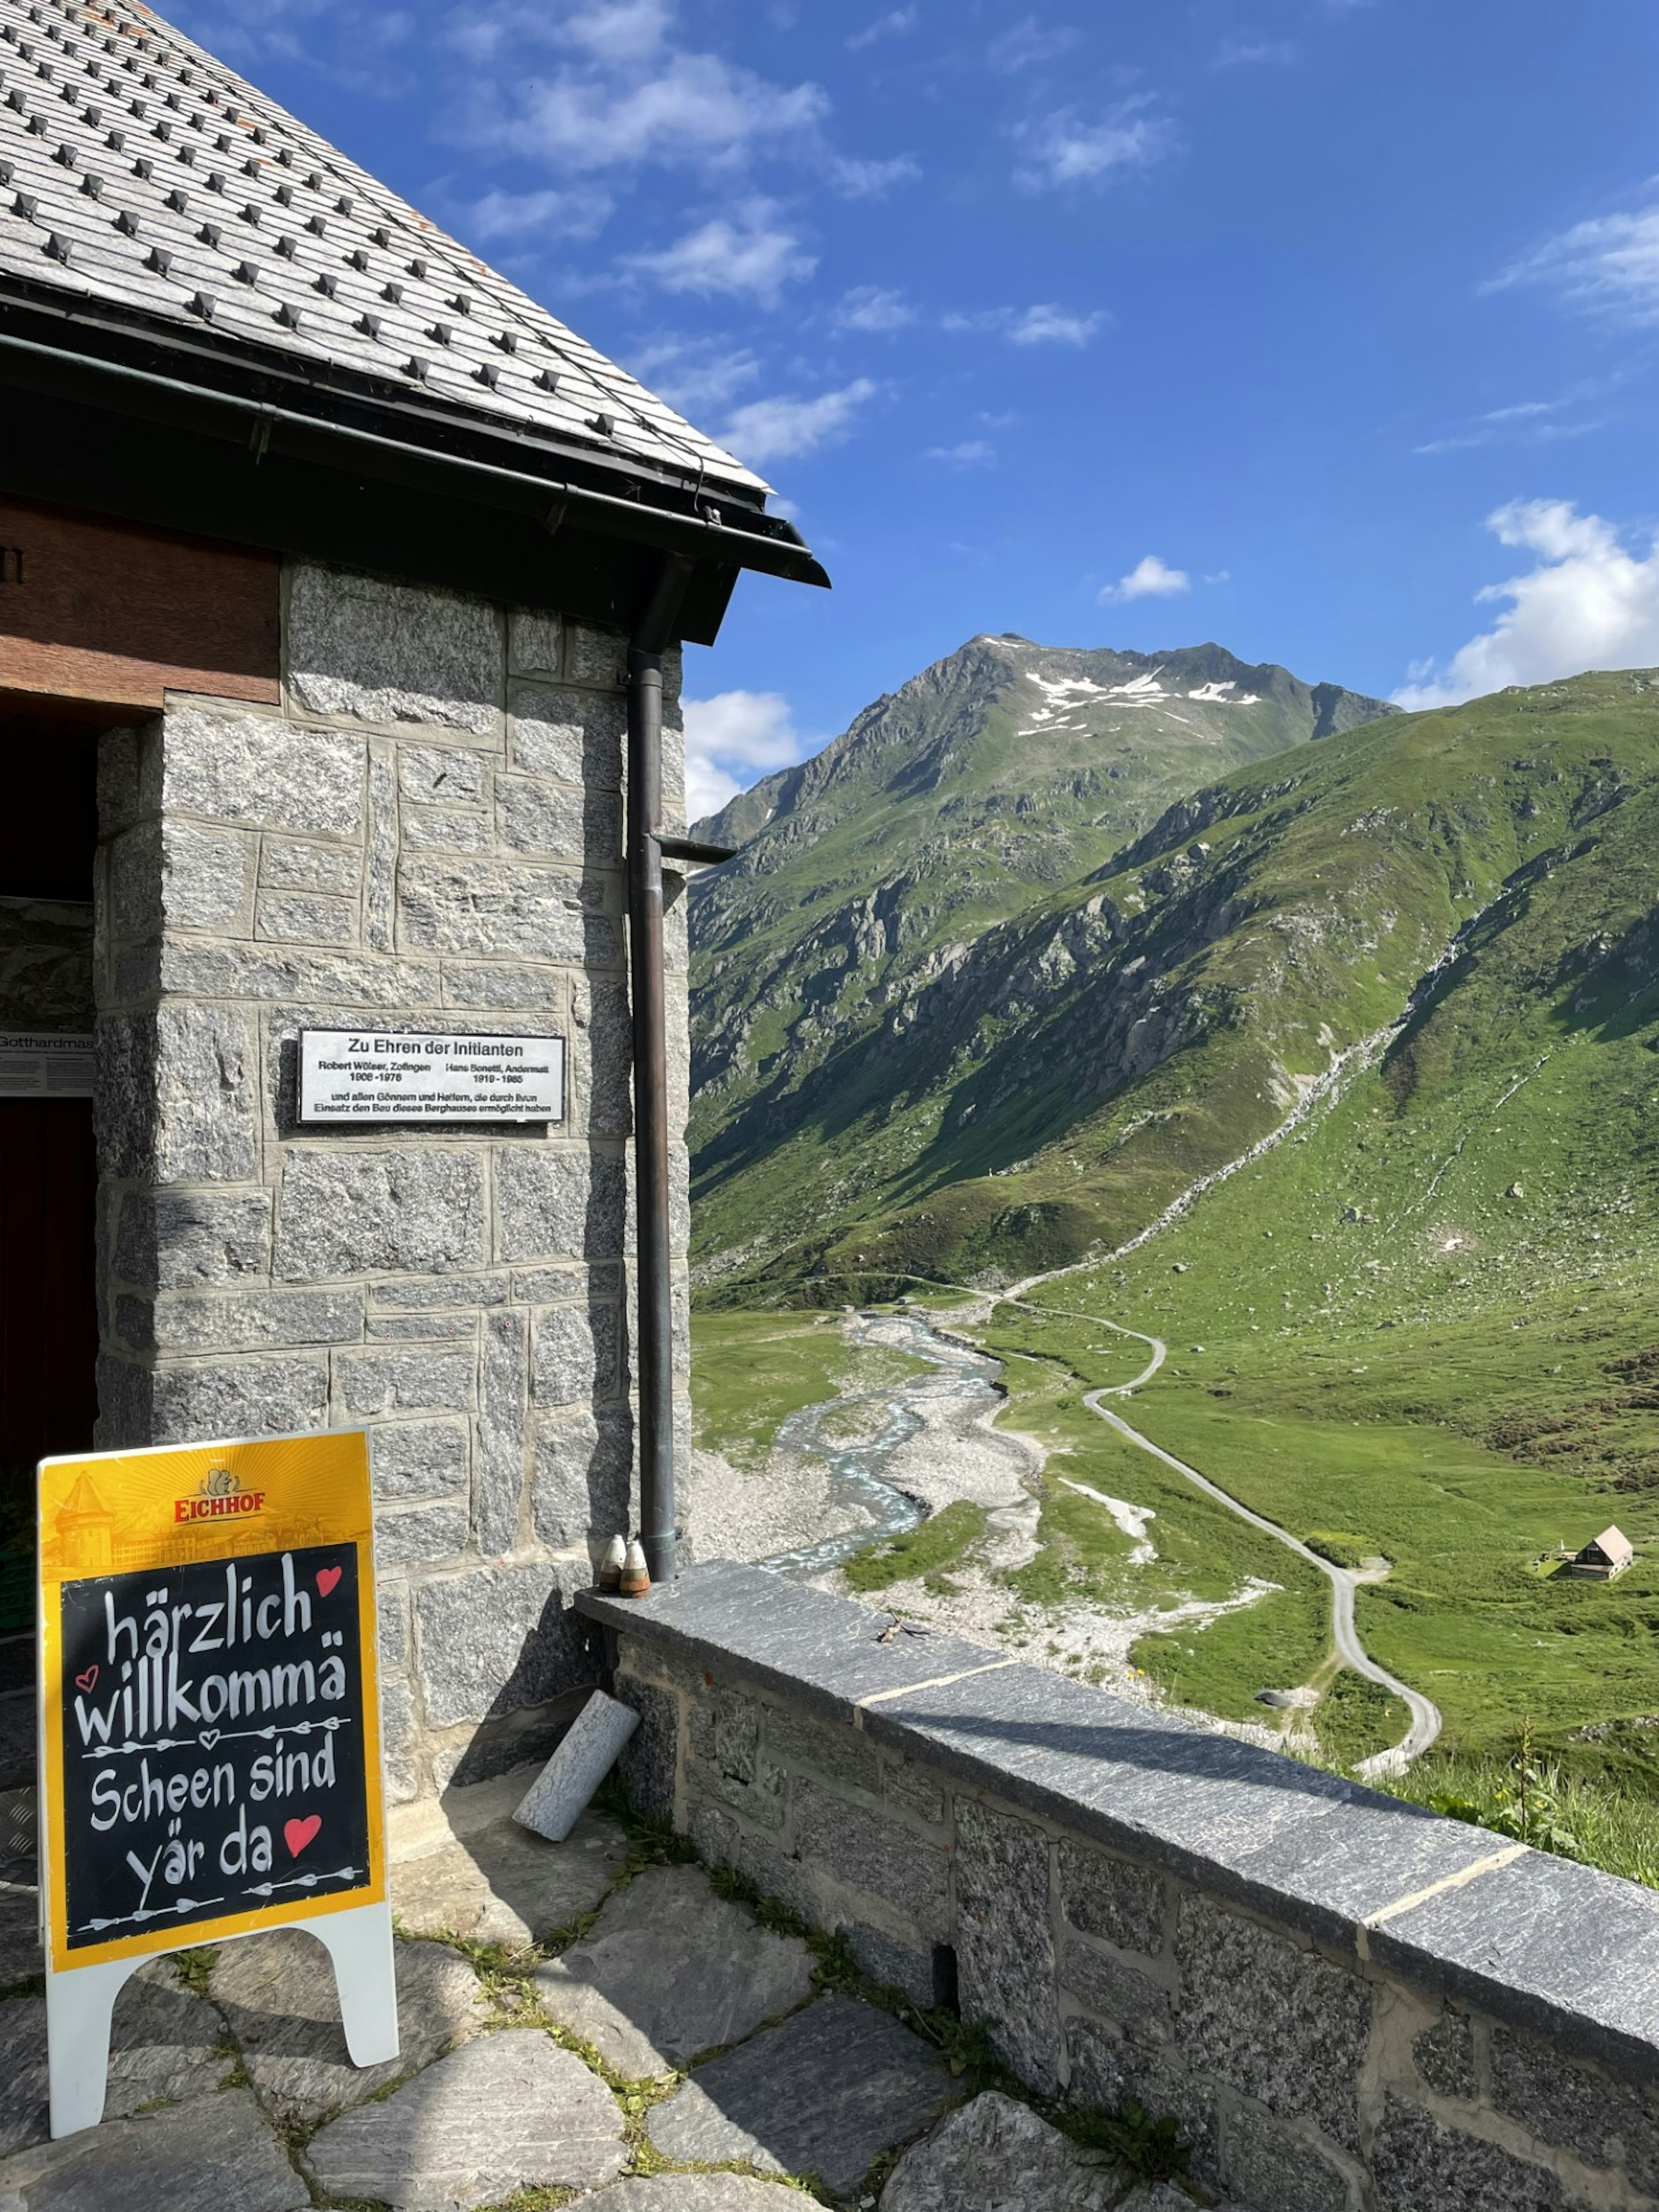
pixel 367 1075
pixel 209 1713
pixel 46 1064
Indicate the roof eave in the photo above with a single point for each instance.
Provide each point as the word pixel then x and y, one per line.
pixel 147 367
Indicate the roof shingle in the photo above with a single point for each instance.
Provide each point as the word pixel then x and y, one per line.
pixel 138 172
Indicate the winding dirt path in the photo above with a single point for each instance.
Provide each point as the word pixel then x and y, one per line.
pixel 1344 1580
pixel 1426 1719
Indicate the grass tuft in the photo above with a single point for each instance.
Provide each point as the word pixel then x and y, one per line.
pixel 947 1539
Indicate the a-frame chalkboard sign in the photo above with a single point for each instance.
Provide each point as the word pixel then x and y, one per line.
pixel 209 1728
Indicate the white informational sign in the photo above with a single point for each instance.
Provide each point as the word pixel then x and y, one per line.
pixel 380 1075
pixel 45 1064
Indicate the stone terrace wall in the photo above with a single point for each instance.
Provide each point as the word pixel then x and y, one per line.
pixel 427 834
pixel 1352 2005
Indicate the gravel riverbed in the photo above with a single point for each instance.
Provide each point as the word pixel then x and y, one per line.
pixel 872 1463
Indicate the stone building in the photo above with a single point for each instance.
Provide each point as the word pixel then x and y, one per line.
pixel 339 584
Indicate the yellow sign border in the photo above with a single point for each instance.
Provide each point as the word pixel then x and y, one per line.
pixel 312 1489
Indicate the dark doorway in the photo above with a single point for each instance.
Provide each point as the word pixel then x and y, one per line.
pixel 48 1166
pixel 48 1321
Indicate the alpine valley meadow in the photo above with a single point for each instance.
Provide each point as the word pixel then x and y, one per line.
pixel 1357 1014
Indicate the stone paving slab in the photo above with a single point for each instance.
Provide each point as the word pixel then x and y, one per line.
pixel 669 1969
pixel 693 2192
pixel 162 2041
pixel 500 1884
pixel 19 1933
pixel 510 2111
pixel 214 2155
pixel 996 2155
pixel 824 2093
pixel 278 1996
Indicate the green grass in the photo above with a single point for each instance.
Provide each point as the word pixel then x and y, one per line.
pixel 1341 1550
pixel 1534 1799
pixel 1459 1423
pixel 1356 1717
pixel 751 1371
pixel 1203 1552
pixel 943 1542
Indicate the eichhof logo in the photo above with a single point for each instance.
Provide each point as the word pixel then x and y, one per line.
pixel 219 1496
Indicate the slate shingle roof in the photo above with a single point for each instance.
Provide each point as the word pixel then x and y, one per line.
pixel 139 175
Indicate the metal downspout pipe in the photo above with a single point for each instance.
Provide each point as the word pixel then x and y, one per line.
pixel 654 1282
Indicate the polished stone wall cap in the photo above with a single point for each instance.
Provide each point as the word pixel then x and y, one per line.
pixel 1555 1947
pixel 820 1651
pixel 1540 1941
pixel 1308 1847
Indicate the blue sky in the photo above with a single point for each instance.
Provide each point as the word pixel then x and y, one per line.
pixel 1323 328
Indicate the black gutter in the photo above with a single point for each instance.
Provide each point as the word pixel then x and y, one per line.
pixel 338 391
pixel 654 1262
pixel 266 427
pixel 691 848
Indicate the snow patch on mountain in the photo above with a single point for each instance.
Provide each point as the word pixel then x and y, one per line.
pixel 1224 695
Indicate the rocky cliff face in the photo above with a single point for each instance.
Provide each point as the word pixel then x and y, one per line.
pixel 889 915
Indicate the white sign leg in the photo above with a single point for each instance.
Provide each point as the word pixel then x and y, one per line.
pixel 365 1974
pixel 79 2004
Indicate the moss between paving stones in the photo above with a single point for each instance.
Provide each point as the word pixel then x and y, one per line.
pixel 505 1975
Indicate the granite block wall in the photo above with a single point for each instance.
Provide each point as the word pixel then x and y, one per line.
pixel 1350 2005
pixel 428 834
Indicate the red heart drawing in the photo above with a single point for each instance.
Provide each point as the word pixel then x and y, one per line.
pixel 326 1578
pixel 298 1833
pixel 89 1680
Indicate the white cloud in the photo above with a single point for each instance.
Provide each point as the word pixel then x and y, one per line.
pixel 708 788
pixel 1042 324
pixel 754 256
pixel 696 374
pixel 528 215
pixel 1529 421
pixel 1588 603
pixel 607 86
pixel 1051 325
pixel 1067 149
pixel 1026 44
pixel 1609 266
pixel 622 31
pixel 1150 579
pixel 872 307
pixel 1253 53
pixel 971 453
pixel 892 25
pixel 614 32
pixel 867 180
pixel 686 107
pixel 778 430
pixel 731 739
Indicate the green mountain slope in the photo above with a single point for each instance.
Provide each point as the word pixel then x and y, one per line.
pixel 1341 1078
pixel 1427 1319
pixel 1398 994
pixel 1048 1089
pixel 878 881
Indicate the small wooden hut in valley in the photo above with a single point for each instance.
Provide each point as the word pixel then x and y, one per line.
pixel 1603 1556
